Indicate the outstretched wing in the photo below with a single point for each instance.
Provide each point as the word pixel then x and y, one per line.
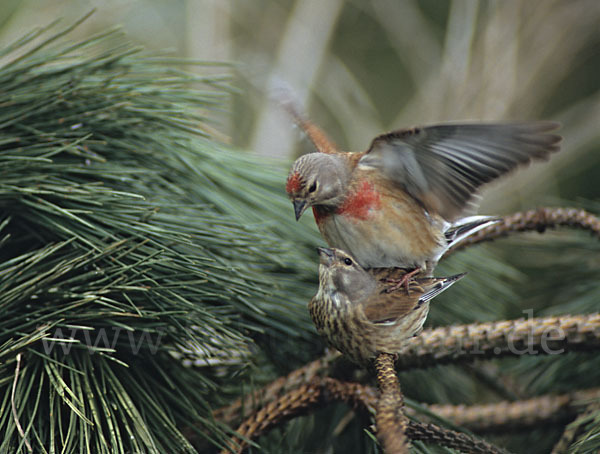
pixel 443 166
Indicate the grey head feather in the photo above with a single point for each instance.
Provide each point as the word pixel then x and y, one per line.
pixel 322 179
pixel 354 282
pixel 347 276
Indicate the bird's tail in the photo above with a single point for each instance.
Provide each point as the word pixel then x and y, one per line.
pixel 440 286
pixel 463 228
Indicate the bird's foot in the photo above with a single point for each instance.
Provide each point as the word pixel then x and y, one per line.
pixel 403 281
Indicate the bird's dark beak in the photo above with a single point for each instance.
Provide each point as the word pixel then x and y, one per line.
pixel 299 207
pixel 326 256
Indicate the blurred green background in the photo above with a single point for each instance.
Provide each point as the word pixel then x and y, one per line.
pixel 364 67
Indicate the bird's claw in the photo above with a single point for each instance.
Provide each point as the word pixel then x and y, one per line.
pixel 403 281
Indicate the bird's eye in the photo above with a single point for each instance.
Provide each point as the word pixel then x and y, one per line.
pixel 313 187
pixel 347 261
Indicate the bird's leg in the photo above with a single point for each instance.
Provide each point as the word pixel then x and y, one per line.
pixel 403 281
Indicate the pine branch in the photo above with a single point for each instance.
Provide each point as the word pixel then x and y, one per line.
pixel 249 403
pixel 273 414
pixel 522 414
pixel 445 344
pixel 390 419
pixel 320 392
pixel 494 417
pixel 432 434
pixel 547 335
pixel 534 220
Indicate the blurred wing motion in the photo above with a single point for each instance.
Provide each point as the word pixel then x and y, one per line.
pixel 283 94
pixel 442 166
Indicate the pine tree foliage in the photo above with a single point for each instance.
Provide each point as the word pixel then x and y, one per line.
pixel 129 236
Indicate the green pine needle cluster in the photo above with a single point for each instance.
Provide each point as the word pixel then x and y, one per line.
pixel 130 239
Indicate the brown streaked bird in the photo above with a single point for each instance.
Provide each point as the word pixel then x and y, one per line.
pixel 402 203
pixel 363 313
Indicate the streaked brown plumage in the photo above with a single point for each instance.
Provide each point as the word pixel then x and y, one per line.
pixel 402 202
pixel 362 313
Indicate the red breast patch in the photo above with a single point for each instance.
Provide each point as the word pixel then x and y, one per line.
pixel 293 183
pixel 360 202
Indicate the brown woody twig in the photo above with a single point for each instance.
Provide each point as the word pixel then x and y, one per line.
pixel 547 335
pixel 390 419
pixel 534 220
pixel 445 344
pixel 521 414
pixel 248 404
pixel 362 397
pixel 322 391
pixel 462 442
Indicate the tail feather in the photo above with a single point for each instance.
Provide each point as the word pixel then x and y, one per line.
pixel 444 284
pixel 464 228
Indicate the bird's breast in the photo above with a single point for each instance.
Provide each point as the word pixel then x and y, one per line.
pixel 361 202
pixel 380 227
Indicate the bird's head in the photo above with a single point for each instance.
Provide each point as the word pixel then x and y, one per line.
pixel 317 179
pixel 339 272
